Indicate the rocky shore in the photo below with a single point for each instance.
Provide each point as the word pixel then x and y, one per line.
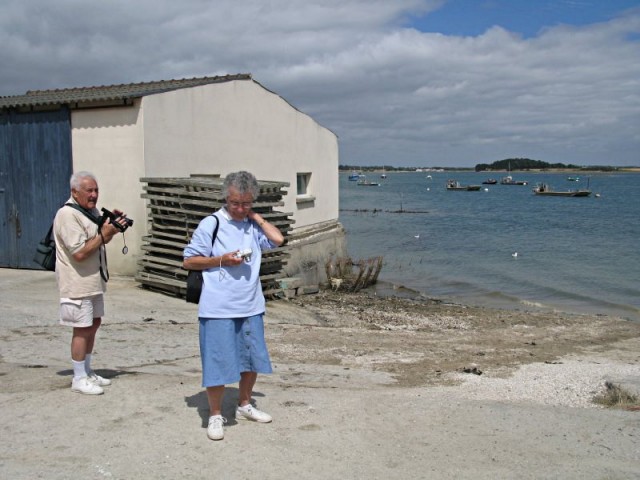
pixel 428 342
pixel 363 387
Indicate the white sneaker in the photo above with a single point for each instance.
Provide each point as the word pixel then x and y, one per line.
pixel 249 412
pixel 86 386
pixel 215 430
pixel 98 380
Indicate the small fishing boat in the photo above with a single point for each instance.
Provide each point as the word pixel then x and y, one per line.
pixel 573 179
pixel 363 182
pixel 354 176
pixel 508 180
pixel 544 189
pixel 490 181
pixel 455 185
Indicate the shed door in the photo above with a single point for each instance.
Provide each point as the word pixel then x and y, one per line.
pixel 35 166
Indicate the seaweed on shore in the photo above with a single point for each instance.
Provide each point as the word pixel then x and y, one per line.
pixel 617 397
pixel 346 275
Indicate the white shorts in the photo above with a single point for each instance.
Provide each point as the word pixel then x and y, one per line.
pixel 81 312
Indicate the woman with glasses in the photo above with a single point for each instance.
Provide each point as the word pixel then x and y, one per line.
pixel 227 247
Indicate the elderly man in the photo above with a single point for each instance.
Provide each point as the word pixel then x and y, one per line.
pixel 81 274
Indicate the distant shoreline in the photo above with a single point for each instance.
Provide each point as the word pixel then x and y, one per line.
pixel 471 170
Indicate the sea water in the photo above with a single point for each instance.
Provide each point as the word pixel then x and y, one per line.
pixel 574 254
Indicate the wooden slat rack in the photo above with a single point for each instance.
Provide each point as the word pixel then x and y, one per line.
pixel 175 207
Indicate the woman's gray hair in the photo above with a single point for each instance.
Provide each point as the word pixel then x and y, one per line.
pixel 242 181
pixel 77 177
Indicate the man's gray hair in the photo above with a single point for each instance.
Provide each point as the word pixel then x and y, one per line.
pixel 77 177
pixel 242 181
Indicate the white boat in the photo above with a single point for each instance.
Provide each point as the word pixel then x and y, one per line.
pixel 508 179
pixel 363 182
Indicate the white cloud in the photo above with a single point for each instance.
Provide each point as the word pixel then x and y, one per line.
pixel 393 94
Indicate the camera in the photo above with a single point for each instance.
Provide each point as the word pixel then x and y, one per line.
pixel 114 220
pixel 244 254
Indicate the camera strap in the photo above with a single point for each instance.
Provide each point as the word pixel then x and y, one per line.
pixel 103 273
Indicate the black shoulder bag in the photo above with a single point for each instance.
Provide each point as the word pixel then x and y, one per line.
pixel 45 255
pixel 46 252
pixel 194 277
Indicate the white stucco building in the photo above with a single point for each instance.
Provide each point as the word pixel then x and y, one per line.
pixel 177 128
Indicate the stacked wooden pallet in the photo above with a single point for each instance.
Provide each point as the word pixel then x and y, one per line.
pixel 175 207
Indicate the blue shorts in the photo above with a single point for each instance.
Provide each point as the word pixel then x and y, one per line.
pixel 230 346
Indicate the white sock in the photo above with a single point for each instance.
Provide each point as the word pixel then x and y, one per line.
pixel 87 363
pixel 78 369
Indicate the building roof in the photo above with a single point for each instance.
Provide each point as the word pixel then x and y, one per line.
pixel 109 94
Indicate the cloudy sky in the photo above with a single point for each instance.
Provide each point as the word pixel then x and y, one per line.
pixel 401 82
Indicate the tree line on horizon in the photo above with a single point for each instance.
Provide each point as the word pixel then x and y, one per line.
pixel 529 164
pixel 506 164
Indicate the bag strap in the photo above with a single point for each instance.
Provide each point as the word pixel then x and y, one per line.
pixel 48 238
pixel 84 211
pixel 104 273
pixel 215 232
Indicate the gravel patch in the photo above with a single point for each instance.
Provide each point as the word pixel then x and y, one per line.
pixel 569 383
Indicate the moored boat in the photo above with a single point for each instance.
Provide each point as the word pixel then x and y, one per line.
pixel 544 189
pixel 363 182
pixel 455 185
pixel 508 180
pixel 490 181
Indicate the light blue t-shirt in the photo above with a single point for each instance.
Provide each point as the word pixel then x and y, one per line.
pixel 230 292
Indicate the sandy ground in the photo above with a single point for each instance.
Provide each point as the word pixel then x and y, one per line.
pixel 363 387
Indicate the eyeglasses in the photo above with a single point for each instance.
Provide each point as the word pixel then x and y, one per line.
pixel 239 204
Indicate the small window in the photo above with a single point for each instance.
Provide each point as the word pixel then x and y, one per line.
pixel 304 195
pixel 303 183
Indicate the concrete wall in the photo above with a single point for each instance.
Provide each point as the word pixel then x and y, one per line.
pixel 240 125
pixel 109 143
pixel 311 248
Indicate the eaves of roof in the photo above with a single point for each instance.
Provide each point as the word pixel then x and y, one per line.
pixel 109 94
